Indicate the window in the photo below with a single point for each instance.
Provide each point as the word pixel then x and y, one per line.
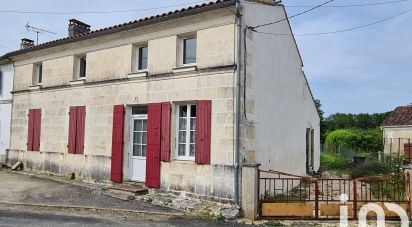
pixel 189 50
pixel 186 138
pixel 1 83
pixel 310 150
pixel 38 74
pixel 139 131
pixel 139 135
pixel 142 61
pixel 80 67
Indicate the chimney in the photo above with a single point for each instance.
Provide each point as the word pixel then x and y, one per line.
pixel 26 43
pixel 77 27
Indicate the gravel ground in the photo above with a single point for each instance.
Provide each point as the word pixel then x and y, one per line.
pixel 18 188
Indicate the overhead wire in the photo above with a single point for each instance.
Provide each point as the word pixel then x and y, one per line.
pixel 100 12
pixel 349 5
pixel 287 18
pixel 339 31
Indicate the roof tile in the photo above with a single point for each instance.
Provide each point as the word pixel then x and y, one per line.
pixel 401 116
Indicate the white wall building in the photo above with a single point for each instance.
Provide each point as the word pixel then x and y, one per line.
pixel 6 86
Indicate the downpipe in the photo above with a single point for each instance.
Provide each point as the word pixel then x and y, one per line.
pixel 238 96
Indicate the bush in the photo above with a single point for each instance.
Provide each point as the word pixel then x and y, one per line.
pixel 370 168
pixel 333 161
pixel 356 139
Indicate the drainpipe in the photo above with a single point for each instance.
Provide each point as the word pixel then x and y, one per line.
pixel 238 90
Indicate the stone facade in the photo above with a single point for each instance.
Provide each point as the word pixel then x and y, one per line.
pixel 278 100
pixel 110 80
pixel 395 138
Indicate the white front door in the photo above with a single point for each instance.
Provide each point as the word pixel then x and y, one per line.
pixel 137 151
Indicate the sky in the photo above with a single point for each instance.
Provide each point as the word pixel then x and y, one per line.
pixel 361 71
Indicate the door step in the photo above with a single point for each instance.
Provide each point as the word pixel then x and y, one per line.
pixel 126 191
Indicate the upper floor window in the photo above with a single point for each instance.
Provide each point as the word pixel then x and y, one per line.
pixel 189 50
pixel 81 67
pixel 186 126
pixel 142 58
pixel 38 74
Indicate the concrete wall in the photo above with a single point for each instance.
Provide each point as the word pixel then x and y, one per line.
pixel 110 81
pixel 7 73
pixel 396 137
pixel 278 97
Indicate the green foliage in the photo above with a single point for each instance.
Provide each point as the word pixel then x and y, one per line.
pixel 333 161
pixel 274 223
pixel 370 168
pixel 336 121
pixel 358 121
pixel 359 140
pixel 220 217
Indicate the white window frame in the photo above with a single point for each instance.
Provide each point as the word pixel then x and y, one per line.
pixel 37 70
pixel 181 48
pixel 187 156
pixel 77 62
pixel 137 117
pixel 136 58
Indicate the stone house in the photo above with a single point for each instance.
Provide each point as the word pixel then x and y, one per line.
pixel 397 131
pixel 6 85
pixel 168 100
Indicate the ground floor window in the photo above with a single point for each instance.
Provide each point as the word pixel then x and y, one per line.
pixel 186 127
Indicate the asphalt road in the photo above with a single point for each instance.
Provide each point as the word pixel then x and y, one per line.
pixel 15 217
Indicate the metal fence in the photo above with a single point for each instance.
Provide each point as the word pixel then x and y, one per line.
pixel 288 196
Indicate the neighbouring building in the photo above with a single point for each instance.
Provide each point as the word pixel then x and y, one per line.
pixel 397 131
pixel 155 100
pixel 6 85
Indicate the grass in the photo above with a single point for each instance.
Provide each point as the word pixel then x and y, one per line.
pixel 274 223
pixel 220 217
pixel 334 162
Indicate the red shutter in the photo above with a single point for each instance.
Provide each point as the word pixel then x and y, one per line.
pixel 72 130
pixel 203 131
pixel 81 117
pixel 165 132
pixel 36 129
pixel 117 144
pixel 153 146
pixel 30 130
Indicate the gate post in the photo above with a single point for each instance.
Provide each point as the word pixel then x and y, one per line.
pixel 408 171
pixel 250 190
pixel 355 202
pixel 316 199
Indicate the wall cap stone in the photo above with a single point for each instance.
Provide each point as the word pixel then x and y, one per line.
pixel 251 164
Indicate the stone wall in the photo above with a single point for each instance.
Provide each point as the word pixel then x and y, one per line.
pixel 395 138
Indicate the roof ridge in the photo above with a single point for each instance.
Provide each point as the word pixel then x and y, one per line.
pixel 186 11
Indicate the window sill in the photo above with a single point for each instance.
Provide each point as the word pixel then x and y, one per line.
pixel 35 87
pixel 185 159
pixel 137 74
pixel 78 81
pixel 185 68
